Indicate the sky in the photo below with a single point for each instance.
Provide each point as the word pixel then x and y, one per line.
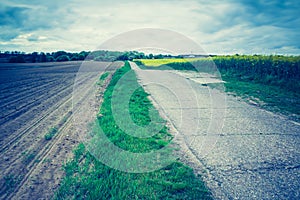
pixel 218 26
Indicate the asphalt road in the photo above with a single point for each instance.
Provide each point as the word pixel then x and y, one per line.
pixel 245 152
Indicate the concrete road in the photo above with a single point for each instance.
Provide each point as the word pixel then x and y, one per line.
pixel 245 152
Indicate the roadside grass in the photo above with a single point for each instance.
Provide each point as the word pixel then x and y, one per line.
pixel 88 178
pixel 264 90
pixel 272 98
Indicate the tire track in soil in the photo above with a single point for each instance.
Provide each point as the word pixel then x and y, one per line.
pixel 21 109
pixel 26 129
pixel 12 98
pixel 6 144
pixel 7 86
pixel 53 147
pixel 37 166
pixel 52 171
pixel 18 165
pixel 44 117
pixel 27 81
pixel 41 157
pixel 52 108
pixel 8 96
pixel 20 96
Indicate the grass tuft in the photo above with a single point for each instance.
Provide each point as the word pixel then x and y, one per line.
pixel 50 134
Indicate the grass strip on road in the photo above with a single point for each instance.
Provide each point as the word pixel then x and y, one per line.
pixel 88 178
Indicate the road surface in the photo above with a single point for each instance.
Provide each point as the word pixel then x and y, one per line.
pixel 242 151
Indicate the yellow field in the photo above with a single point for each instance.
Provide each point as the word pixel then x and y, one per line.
pixel 164 61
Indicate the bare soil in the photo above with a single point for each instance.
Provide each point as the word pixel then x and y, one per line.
pixel 33 99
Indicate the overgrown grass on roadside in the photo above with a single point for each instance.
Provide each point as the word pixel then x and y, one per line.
pixel 270 81
pixel 87 178
pixel 272 98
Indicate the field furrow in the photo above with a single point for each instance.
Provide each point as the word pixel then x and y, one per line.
pixel 7 97
pixel 31 163
pixel 52 103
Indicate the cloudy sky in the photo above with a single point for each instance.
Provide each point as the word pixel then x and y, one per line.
pixel 218 26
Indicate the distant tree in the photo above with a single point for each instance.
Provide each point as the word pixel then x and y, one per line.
pixel 90 57
pixel 150 56
pixel 159 56
pixel 74 58
pixel 141 56
pixel 122 57
pixel 99 58
pixel 50 58
pixel 111 58
pixel 62 58
pixel 81 56
pixel 34 57
pixel 59 53
pixel 17 59
pixel 42 57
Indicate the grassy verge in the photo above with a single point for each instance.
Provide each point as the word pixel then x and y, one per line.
pixel 270 82
pixel 272 98
pixel 87 178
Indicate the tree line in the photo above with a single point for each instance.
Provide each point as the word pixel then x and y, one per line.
pixel 58 56
pixel 62 56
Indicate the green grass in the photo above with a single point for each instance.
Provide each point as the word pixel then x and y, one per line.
pixel 11 181
pixel 28 156
pixel 88 178
pixel 272 98
pixel 50 134
pixel 259 79
pixel 104 76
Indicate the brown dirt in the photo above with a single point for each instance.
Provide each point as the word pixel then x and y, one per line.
pixel 36 97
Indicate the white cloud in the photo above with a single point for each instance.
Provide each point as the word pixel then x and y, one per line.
pixel 218 26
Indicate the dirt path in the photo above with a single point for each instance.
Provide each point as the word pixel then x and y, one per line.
pixel 39 98
pixel 242 152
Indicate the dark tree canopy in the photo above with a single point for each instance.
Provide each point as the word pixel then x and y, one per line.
pixel 62 58
pixel 17 59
